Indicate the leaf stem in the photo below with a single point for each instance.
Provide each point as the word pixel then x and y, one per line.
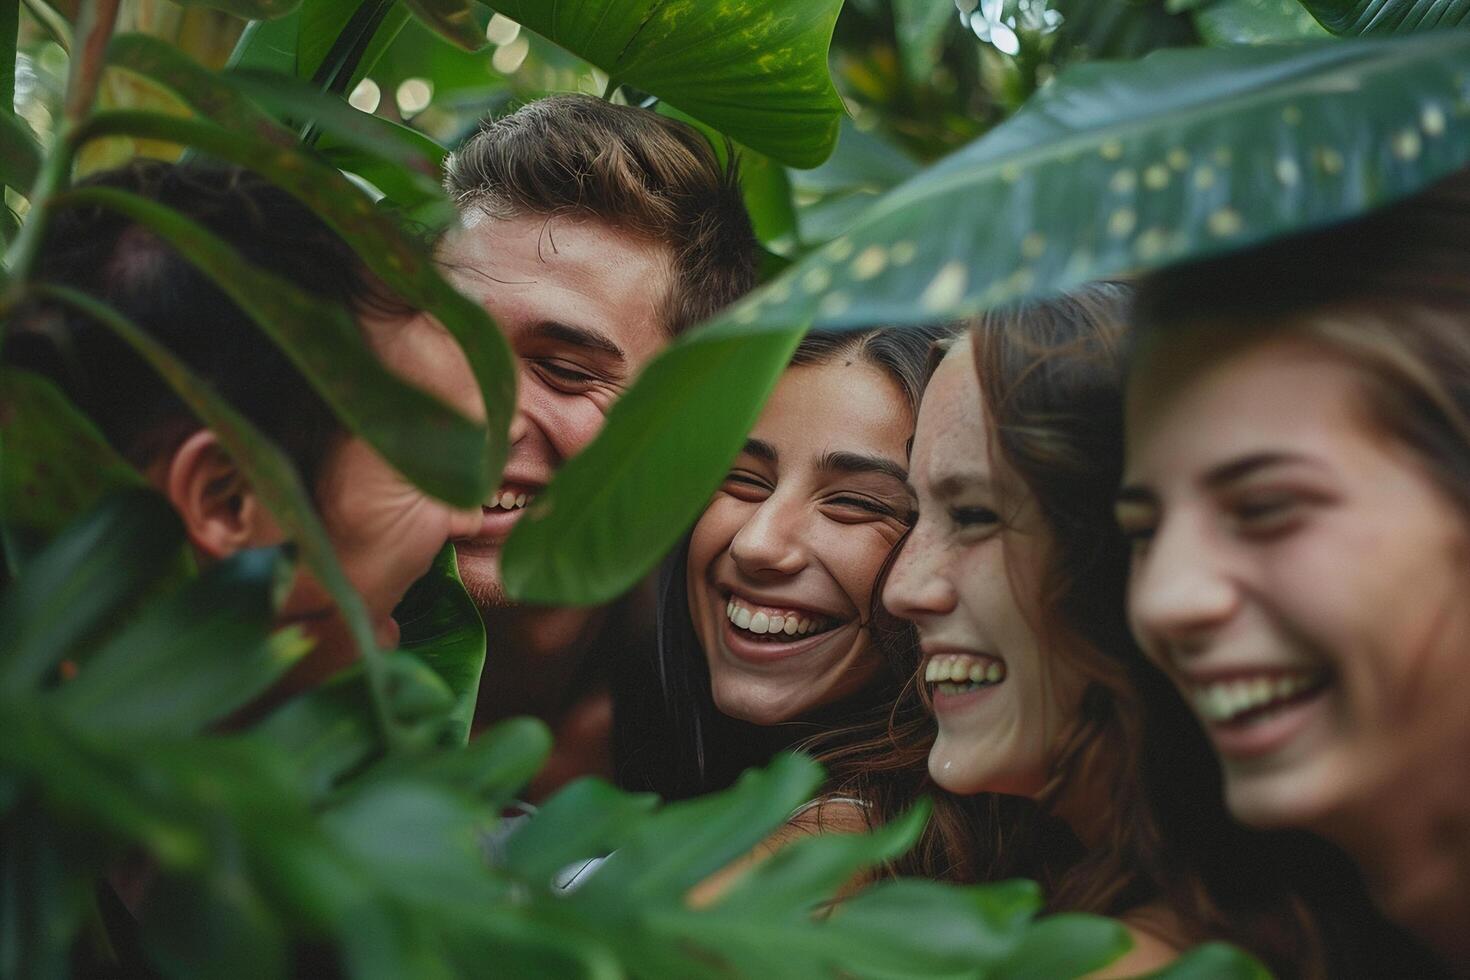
pixel 95 24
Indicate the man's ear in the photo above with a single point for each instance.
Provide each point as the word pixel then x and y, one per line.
pixel 219 507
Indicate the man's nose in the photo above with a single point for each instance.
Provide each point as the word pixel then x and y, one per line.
pixel 1181 590
pixel 771 541
pixel 916 586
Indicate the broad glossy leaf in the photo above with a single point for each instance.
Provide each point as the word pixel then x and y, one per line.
pixel 1113 168
pixel 1091 31
pixel 586 818
pixel 453 20
pixel 1256 22
pixel 440 625
pixel 251 9
pixel 190 658
pixel 83 582
pixel 754 69
pixel 618 506
pixel 20 153
pixel 272 476
pixel 430 443
pixel 54 464
pixel 330 731
pixel 831 197
pixel 1387 16
pixel 1065 946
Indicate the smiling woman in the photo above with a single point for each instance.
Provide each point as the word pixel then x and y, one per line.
pixel 1298 488
pixel 770 630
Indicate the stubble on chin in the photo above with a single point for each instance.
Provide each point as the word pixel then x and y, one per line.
pixel 481 577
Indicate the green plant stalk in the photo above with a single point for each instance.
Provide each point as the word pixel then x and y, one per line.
pixel 289 501
pixel 95 24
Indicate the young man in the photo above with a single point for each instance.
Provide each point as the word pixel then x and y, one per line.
pixel 593 233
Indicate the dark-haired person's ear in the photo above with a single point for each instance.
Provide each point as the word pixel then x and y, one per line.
pixel 221 512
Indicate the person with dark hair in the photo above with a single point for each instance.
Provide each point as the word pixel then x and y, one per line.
pixel 1298 491
pixel 1060 754
pixel 594 233
pixel 385 531
pixel 769 628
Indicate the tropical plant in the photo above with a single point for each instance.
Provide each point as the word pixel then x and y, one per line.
pixel 355 829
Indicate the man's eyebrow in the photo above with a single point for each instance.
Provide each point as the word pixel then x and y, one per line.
pixel 760 449
pixel 849 462
pixel 578 337
pixel 1236 469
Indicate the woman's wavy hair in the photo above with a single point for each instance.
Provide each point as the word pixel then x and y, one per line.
pixel 668 736
pixel 1051 380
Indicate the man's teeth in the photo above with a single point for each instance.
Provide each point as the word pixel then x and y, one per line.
pixel 1224 701
pixel 768 623
pixel 510 501
pixel 954 672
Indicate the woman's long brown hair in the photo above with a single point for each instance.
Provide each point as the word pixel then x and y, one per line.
pixel 1051 379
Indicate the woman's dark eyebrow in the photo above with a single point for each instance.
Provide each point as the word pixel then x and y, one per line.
pixel 1237 469
pixel 849 462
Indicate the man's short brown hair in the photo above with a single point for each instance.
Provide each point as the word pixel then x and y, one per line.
pixel 631 168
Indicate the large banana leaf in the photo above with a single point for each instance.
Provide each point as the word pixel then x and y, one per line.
pixel 1387 16
pixel 1113 168
pixel 754 69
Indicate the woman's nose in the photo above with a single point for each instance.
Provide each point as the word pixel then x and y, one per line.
pixel 1180 592
pixel 916 586
pixel 464 523
pixel 772 540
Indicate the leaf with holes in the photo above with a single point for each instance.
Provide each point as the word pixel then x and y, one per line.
pixel 756 70
pixel 1387 16
pixel 1113 168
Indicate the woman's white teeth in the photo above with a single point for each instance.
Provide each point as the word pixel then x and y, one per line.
pixel 510 501
pixel 1224 701
pixel 766 624
pixel 962 669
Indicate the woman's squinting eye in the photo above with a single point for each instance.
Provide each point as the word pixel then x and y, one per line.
pixel 746 486
pixel 1266 513
pixel 866 505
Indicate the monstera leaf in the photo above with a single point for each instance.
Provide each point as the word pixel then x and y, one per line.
pixel 1387 16
pixel 1113 168
pixel 756 70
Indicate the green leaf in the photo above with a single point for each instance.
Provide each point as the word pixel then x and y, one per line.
pixel 250 9
pixel 805 872
pixel 686 842
pixel 189 659
pixel 329 731
pixel 430 443
pixel 43 894
pixel 440 625
pixel 1213 961
pixel 585 818
pixel 9 28
pixel 616 508
pixel 919 25
pixel 20 153
pixel 54 464
pixel 453 20
pixel 1256 22
pixel 1065 946
pixel 272 476
pixel 832 196
pixel 1387 16
pixel 755 70
pixel 404 264
pixel 84 582
pixel 219 926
